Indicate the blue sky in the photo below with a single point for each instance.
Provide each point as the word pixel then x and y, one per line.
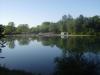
pixel 34 12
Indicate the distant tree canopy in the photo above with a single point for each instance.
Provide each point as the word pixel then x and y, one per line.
pixel 22 28
pixel 10 28
pixel 79 25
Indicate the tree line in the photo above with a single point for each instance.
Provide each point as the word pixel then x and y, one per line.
pixel 79 25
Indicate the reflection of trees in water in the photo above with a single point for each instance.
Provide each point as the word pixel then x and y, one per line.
pixel 48 41
pixel 83 43
pixel 23 40
pixel 71 43
pixel 78 44
pixel 78 64
pixel 2 45
pixel 76 59
pixel 10 42
pixel 6 71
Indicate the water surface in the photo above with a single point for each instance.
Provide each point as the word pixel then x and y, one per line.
pixel 52 55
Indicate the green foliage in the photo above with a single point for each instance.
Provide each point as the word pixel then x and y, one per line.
pixel 22 29
pixel 79 25
pixel 1 29
pixel 45 27
pixel 10 28
pixel 53 27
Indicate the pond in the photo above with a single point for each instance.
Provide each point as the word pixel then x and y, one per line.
pixel 51 55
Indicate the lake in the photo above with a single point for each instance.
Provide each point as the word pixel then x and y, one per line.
pixel 51 55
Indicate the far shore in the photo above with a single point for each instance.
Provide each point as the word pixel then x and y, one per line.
pixel 47 35
pixel 81 35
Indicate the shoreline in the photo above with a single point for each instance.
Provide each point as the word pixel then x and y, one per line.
pixel 46 35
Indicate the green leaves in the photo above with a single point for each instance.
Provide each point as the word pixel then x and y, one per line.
pixel 22 29
pixel 79 25
pixel 10 28
pixel 1 29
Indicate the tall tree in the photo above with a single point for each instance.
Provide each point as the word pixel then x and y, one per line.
pixel 23 28
pixel 79 24
pixel 45 27
pixel 10 28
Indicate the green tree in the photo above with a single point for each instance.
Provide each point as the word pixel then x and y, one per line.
pixel 79 24
pixel 1 29
pixel 22 29
pixel 10 28
pixel 96 23
pixel 53 27
pixel 45 27
pixel 70 24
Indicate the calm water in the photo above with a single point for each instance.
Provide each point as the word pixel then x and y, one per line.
pixel 52 55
